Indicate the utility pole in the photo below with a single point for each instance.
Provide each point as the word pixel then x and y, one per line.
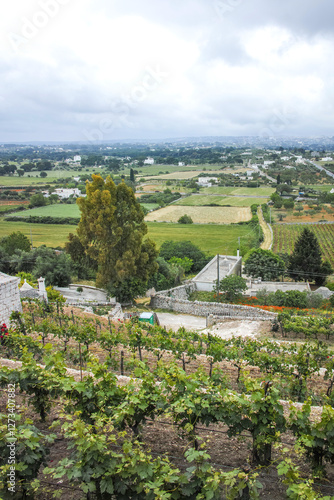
pixel 218 276
pixel 270 214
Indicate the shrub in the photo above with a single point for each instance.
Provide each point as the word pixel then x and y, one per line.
pixel 185 219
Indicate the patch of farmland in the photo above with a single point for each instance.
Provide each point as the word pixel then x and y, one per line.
pixel 180 175
pixel 51 235
pixel 233 201
pixel 201 215
pixel 210 238
pixel 52 211
pixel 285 236
pixel 240 191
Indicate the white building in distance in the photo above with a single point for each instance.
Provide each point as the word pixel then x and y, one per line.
pixel 149 161
pixel 67 192
pixel 207 181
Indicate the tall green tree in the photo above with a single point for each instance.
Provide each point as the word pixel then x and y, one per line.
pixel 305 262
pixel 111 231
pixel 264 264
pixel 132 175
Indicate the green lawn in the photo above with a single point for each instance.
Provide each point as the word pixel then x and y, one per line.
pixel 239 191
pixel 233 201
pixel 209 238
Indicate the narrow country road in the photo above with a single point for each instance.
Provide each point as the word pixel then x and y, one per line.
pixel 268 237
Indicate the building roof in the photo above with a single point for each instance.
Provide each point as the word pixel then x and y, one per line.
pixel 5 278
pixel 209 272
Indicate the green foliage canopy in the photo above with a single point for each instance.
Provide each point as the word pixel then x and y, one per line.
pixel 111 232
pixel 264 264
pixel 232 286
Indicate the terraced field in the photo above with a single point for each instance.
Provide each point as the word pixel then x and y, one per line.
pixel 201 215
pixel 285 236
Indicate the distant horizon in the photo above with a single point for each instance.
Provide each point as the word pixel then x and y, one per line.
pixel 198 139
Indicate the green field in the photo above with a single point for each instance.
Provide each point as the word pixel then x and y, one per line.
pixel 63 210
pixel 70 210
pixel 5 208
pixel 321 187
pixel 233 201
pixel 51 235
pixel 52 176
pixel 239 191
pixel 149 170
pixel 209 238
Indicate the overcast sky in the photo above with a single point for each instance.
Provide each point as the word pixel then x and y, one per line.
pixel 127 69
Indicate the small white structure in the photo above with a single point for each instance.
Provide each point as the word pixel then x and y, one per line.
pixel 77 159
pixel 327 158
pixel 29 292
pixel 207 181
pixel 227 265
pixel 149 161
pixel 181 164
pixel 268 162
pixel 9 297
pixel 67 192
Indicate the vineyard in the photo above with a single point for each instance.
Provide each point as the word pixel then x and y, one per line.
pixel 127 411
pixel 285 236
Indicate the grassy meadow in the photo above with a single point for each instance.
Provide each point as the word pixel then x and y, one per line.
pixel 51 235
pixel 209 238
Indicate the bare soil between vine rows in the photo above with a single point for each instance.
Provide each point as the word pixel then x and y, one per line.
pixel 162 438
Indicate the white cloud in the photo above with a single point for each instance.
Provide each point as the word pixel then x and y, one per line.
pixel 94 61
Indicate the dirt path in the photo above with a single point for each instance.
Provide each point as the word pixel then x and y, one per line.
pixel 268 237
pixel 243 328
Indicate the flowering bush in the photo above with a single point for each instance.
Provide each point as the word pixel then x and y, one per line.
pixel 3 332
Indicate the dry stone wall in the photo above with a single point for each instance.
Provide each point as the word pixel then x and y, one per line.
pixel 9 297
pixel 175 299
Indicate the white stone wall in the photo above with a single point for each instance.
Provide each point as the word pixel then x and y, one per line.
pixel 9 297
